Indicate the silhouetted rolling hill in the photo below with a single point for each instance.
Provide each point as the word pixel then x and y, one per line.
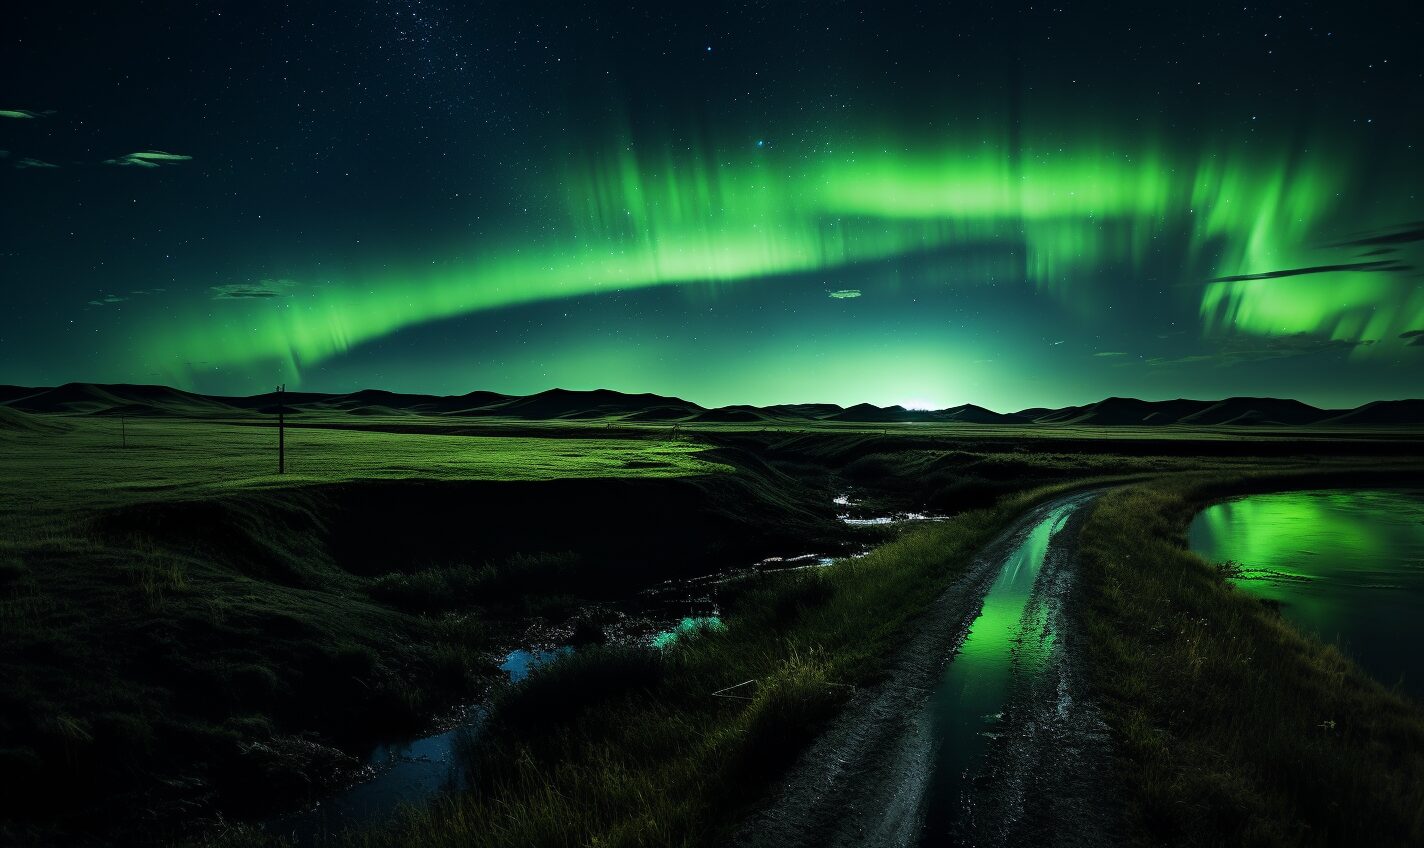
pixel 565 404
pixel 1382 412
pixel 866 413
pixel 1119 411
pixel 659 413
pixel 1247 410
pixel 15 421
pixel 598 403
pixel 732 415
pixel 9 393
pixel 972 414
pixel 803 410
pixel 121 399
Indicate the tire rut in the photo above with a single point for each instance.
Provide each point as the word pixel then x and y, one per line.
pixel 863 782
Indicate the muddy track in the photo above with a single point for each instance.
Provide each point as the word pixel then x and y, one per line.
pixel 1044 779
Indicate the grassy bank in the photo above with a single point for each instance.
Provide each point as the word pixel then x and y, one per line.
pixel 634 747
pixel 176 641
pixel 1234 727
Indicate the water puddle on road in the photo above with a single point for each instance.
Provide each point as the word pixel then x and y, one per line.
pixel 1011 635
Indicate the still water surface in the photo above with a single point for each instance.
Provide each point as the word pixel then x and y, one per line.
pixel 1011 636
pixel 1347 566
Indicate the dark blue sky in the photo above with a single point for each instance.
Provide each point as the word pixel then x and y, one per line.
pixel 926 204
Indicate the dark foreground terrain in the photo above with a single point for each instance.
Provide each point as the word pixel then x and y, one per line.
pixel 192 644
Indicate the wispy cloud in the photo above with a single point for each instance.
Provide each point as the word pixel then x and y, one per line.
pixel 1179 360
pixel 1110 353
pixel 27 162
pixel 260 290
pixel 1414 338
pixel 1279 347
pixel 1374 265
pixel 1410 233
pixel 22 114
pixel 148 159
pixel 1239 349
pixel 843 294
pixel 116 298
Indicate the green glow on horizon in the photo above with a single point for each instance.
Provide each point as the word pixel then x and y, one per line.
pixel 638 220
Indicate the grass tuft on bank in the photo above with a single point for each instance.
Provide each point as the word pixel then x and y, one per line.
pixel 1234 728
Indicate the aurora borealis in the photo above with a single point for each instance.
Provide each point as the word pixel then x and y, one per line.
pixel 753 203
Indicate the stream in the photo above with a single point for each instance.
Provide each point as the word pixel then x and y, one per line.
pixel 414 770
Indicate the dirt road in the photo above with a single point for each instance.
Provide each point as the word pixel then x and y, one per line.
pixel 1043 778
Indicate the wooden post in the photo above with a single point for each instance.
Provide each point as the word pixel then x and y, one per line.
pixel 124 432
pixel 281 431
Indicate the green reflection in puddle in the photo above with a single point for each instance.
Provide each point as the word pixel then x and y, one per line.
pixel 1011 633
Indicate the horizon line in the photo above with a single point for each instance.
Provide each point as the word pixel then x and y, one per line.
pixel 7 401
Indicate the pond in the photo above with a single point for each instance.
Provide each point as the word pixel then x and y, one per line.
pixel 1347 566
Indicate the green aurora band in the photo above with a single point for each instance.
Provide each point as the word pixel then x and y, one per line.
pixel 638 219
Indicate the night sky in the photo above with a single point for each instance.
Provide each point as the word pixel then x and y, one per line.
pixel 925 204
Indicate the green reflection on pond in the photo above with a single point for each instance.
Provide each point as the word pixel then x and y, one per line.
pixel 1346 566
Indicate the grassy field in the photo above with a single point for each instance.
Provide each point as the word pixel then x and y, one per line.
pixel 83 465
pixel 1234 727
pixel 183 632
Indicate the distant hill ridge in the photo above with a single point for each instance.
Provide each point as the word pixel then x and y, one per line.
pixel 122 399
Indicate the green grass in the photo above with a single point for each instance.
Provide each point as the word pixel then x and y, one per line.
pixel 175 635
pixel 182 629
pixel 84 465
pixel 1235 728
pixel 630 747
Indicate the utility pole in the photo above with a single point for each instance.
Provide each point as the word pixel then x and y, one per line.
pixel 124 432
pixel 281 430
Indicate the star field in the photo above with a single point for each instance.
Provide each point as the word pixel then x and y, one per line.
pixel 736 203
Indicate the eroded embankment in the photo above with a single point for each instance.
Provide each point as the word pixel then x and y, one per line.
pixel 172 659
